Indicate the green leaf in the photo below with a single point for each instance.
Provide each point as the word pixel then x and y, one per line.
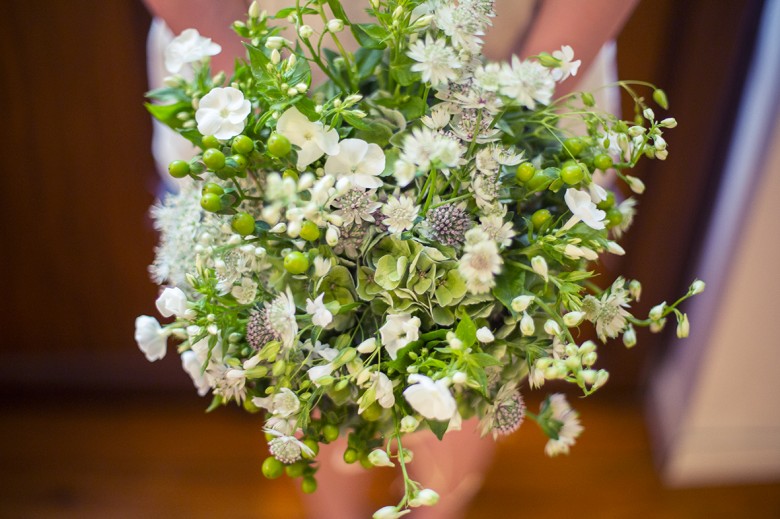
pixel 167 113
pixel 338 10
pixel 438 428
pixel 367 60
pixel 401 70
pixel 215 403
pixel 287 11
pixel 355 122
pixel 414 108
pixel 509 284
pixel 370 35
pixel 376 132
pixel 484 360
pixel 466 331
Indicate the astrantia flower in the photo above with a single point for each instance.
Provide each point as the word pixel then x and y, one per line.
pixel 448 224
pixel 497 230
pixel 287 449
pixel 229 383
pixel 436 61
pixel 526 82
pixel 245 292
pixel 188 47
pixel 285 403
pixel 608 313
pixel 433 400
pixel 400 213
pixel 568 67
pixel 222 112
pixel 151 338
pixel 583 209
pixel 172 301
pixel 273 322
pixel 320 316
pixel 311 137
pixel 567 423
pixel 359 161
pixel 398 331
pixel 505 415
pixel 424 147
pixel 480 262
pixel 356 206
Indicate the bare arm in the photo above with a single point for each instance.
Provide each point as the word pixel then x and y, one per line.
pixel 212 19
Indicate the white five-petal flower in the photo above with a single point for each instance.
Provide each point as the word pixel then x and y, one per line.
pixel 568 66
pixel 398 331
pixel 222 112
pixel 151 338
pixel 172 301
pixel 311 137
pixel 320 315
pixel 358 161
pixel 583 209
pixel 188 47
pixel 431 399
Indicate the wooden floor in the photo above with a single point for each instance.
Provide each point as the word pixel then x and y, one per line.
pixel 154 457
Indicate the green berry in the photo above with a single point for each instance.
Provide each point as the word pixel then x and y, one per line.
pixel 296 262
pixel 330 432
pixel 214 159
pixel 211 202
pixel 243 144
pixel 243 224
pixel 309 485
pixel 350 456
pixel 209 141
pixel 602 161
pixel 239 162
pixel 313 445
pixel 365 462
pixel 290 173
pixel 272 467
pixel 614 217
pixel 574 145
pixel 372 413
pixel 608 203
pixel 525 172
pixel 211 187
pixel 588 99
pixel 278 145
pixel 659 96
pixel 310 231
pixel 295 470
pixel 540 217
pixel 179 169
pixel 572 174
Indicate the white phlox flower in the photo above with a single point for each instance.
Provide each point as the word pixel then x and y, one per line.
pixel 570 427
pixel 193 366
pixel 188 47
pixel 323 370
pixel 311 137
pixel 398 331
pixel 172 301
pixel 433 400
pixel 359 161
pixel 568 66
pixel 320 315
pixel 437 62
pixel 285 403
pixel 383 388
pixel 583 210
pixel 222 112
pixel 400 213
pixel 152 339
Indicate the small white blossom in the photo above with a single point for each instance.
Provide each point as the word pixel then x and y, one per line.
pixel 400 212
pixel 151 338
pixel 320 315
pixel 311 137
pixel 636 185
pixel 193 366
pixel 539 265
pixel 222 112
pixel 172 301
pixel 285 403
pixel 480 262
pixel 527 325
pixel 321 266
pixel 521 303
pixel 697 287
pixel 359 161
pixel 425 497
pixel 568 67
pixel 398 331
pixel 409 424
pixel 572 319
pixel 245 292
pixel 570 427
pixel 436 61
pixel 431 399
pixel 526 82
pixel 367 346
pixel 188 47
pixel 484 335
pixel 683 327
pixel 583 209
pixel 389 512
pixel 379 458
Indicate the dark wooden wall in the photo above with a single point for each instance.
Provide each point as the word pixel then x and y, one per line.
pixel 78 178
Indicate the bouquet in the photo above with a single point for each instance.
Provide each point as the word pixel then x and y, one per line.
pixel 406 246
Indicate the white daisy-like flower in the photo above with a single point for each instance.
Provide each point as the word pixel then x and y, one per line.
pixel 287 449
pixel 424 146
pixel 311 137
pixel 357 206
pixel 229 383
pixel 281 318
pixel 400 213
pixel 188 47
pixel 583 209
pixel 245 292
pixel 433 400
pixel 398 331
pixel 526 82
pixel 488 77
pixel 320 315
pixel 359 161
pixel 285 403
pixel 568 66
pixel 436 61
pixel 570 427
pixel 497 230
pixel 480 263
pixel 404 172
pixel 222 112
pixel 608 313
pixel 151 338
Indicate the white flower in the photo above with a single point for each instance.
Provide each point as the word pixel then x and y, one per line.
pixel 384 390
pixel 281 317
pixel 358 161
pixel 409 424
pixel 151 338
pixel 245 292
pixel 697 287
pixel 425 497
pixel 404 172
pixel 567 67
pixel 400 213
pixel 424 146
pixel 597 193
pixel 539 264
pixel 321 266
pixel 287 449
pixel 570 427
pixel 436 61
pixel 480 262
pixel 320 315
pixel 527 325
pixel 222 112
pixel 526 82
pixel 389 512
pixel 683 327
pixel 379 458
pixel 583 209
pixel 367 346
pixel 432 400
pixel 572 319
pixel 285 403
pixel 194 368
pixel 398 331
pixel 310 137
pixel 636 185
pixel 485 335
pixel 520 303
pixel 188 47
pixel 172 301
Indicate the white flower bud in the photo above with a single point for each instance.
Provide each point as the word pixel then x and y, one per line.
pixel 301 88
pixel 657 312
pixel 521 303
pixel 601 378
pixel 292 92
pixel 589 358
pixel 459 378
pixel 425 497
pixel 636 131
pixel 527 325
pixel 343 185
pixel 659 143
pixel 379 458
pixel 697 287
pixel 294 229
pixel 629 337
pixel 573 319
pixel 552 328
pixel 367 346
pixel 190 314
pixel 213 329
pixel 649 114
pixel 335 25
pixel 484 335
pixel 540 266
pixel 389 512
pixel 661 154
pixel 409 424
pixel 589 254
pixel 669 122
pixel 408 456
pixel 274 42
pixel 588 376
pixel 657 326
pixel 573 252
pixel 305 32
pixel 636 185
pixel 254 10
pixel 635 289
pixel 279 228
pixel 571 350
pixel 291 61
pixel 587 347
pixel 683 327
pixel 332 235
pixel 615 248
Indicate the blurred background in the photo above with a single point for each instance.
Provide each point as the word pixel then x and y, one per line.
pixel 90 429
